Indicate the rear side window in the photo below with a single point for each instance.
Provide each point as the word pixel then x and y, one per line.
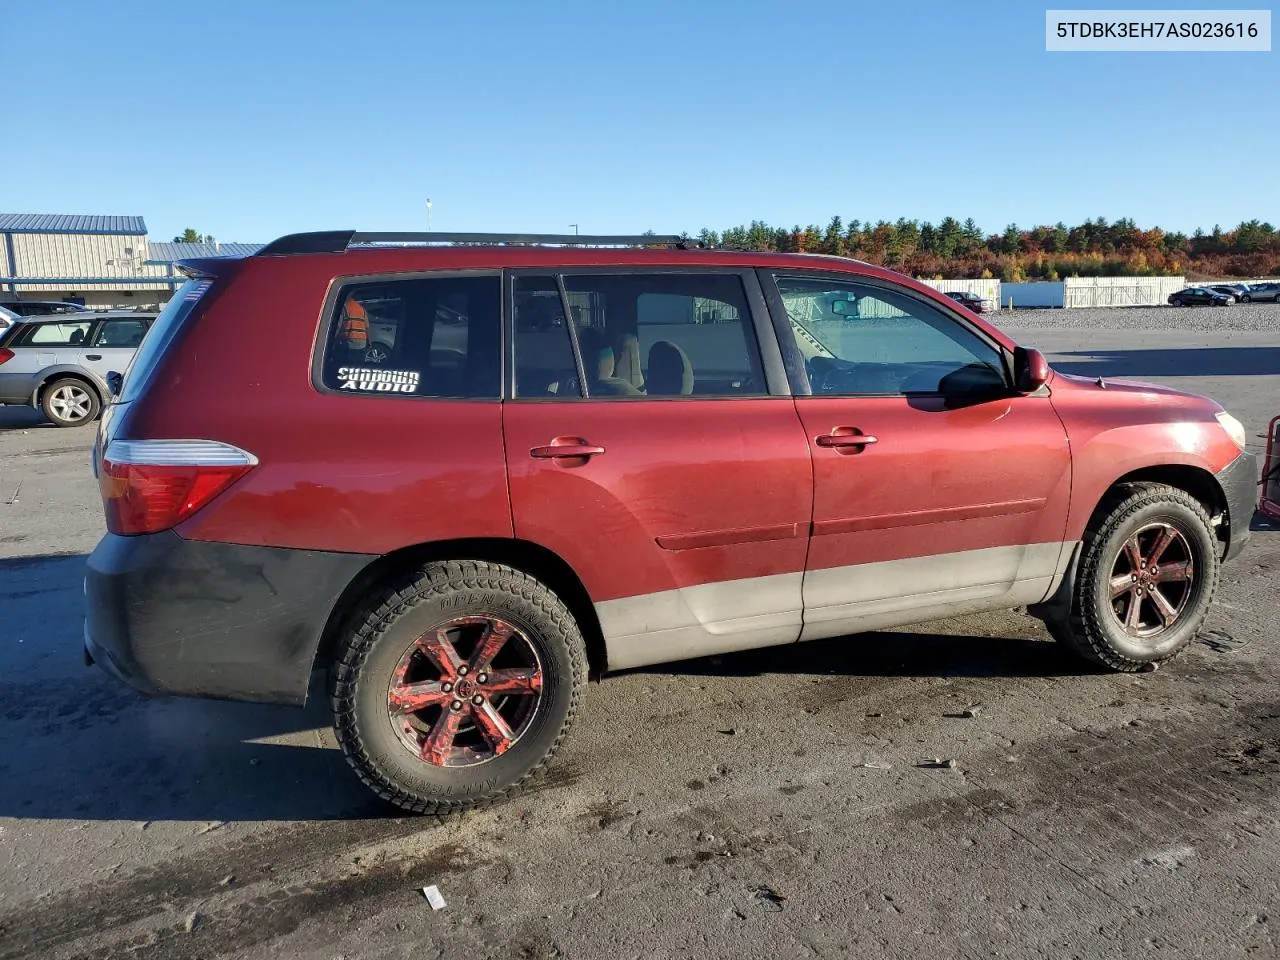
pixel 55 334
pixel 163 329
pixel 120 333
pixel 638 335
pixel 422 336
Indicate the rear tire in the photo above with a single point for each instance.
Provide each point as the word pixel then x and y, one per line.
pixel 468 744
pixel 1139 528
pixel 70 403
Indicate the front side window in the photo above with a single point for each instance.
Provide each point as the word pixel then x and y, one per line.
pixel 58 334
pixel 637 335
pixel 424 337
pixel 863 340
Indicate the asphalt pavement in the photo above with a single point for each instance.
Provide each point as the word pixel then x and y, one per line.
pixel 763 804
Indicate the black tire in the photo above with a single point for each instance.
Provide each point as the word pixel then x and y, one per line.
pixel 1246 299
pixel 1175 302
pixel 1094 629
pixel 70 402
pixel 416 607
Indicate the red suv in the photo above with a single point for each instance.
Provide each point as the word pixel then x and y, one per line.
pixel 463 473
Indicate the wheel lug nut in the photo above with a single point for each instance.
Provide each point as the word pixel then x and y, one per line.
pixel 1135 578
pixel 462 671
pixel 482 678
pixel 456 705
pixel 477 699
pixel 446 687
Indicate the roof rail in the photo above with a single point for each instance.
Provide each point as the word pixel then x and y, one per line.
pixel 336 241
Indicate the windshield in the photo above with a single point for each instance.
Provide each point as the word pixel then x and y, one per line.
pixel 162 332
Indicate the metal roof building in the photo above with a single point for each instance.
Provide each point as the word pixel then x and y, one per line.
pixel 94 260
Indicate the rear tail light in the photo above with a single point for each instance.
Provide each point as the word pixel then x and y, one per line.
pixel 151 485
pixel 5 355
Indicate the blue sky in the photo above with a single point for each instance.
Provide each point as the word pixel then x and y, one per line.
pixel 250 120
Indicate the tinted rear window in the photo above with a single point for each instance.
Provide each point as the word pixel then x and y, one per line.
pixel 163 330
pixel 424 337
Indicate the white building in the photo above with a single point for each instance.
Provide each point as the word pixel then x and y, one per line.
pixel 97 261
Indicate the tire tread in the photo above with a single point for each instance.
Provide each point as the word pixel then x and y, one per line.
pixel 402 595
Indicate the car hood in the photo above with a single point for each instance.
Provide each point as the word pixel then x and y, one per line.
pixel 1137 387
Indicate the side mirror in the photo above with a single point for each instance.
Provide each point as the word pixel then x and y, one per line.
pixel 115 380
pixel 1030 370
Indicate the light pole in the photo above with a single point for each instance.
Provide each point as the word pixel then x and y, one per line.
pixel 575 228
pixel 428 214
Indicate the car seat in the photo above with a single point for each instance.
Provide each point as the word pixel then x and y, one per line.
pixel 627 364
pixel 670 372
pixel 77 337
pixel 598 361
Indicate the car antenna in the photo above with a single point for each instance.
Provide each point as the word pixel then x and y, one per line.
pixel 1102 383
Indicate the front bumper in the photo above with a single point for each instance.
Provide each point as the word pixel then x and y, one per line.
pixel 1239 481
pixel 193 618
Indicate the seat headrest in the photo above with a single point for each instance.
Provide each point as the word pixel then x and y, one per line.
pixel 670 372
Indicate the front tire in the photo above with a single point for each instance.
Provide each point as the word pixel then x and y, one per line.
pixel 1246 299
pixel 1147 575
pixel 458 687
pixel 70 403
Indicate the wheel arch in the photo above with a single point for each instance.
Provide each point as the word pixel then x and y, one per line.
pixel 52 374
pixel 1197 481
pixel 524 555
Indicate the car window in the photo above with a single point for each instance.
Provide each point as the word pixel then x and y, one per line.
pixel 638 335
pixel 425 337
pixel 864 340
pixel 57 334
pixel 120 333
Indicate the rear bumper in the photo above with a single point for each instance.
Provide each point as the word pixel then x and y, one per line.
pixel 1239 481
pixel 181 617
pixel 18 388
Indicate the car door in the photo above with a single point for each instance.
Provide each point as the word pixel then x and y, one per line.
pixel 112 345
pixel 652 445
pixel 937 489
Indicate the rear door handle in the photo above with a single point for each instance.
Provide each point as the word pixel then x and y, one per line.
pixel 93 356
pixel 565 448
pixel 843 437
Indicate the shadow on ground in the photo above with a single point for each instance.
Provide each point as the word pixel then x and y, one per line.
pixel 1186 362
pixel 77 744
pixel 26 418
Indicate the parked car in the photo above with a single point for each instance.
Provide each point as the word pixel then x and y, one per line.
pixel 40 308
pixel 1267 291
pixel 7 319
pixel 1235 291
pixel 59 363
pixel 579 459
pixel 968 299
pixel 1205 296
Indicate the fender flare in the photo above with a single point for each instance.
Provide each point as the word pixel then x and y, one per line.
pixel 69 369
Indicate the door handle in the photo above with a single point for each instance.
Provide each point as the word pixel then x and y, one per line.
pixel 845 437
pixel 565 448
pixel 93 356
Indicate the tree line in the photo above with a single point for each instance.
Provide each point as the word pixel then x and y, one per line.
pixel 956 249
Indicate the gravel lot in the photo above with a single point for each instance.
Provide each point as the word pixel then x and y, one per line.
pixel 758 805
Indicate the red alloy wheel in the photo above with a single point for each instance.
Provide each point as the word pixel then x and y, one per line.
pixel 1152 580
pixel 465 692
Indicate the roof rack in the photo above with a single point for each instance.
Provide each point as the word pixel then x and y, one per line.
pixel 337 241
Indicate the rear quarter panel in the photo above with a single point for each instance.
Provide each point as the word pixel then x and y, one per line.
pixel 358 474
pixel 1125 427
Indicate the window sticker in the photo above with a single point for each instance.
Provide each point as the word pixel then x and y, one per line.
pixel 378 381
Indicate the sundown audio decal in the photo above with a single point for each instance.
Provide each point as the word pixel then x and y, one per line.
pixel 378 381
